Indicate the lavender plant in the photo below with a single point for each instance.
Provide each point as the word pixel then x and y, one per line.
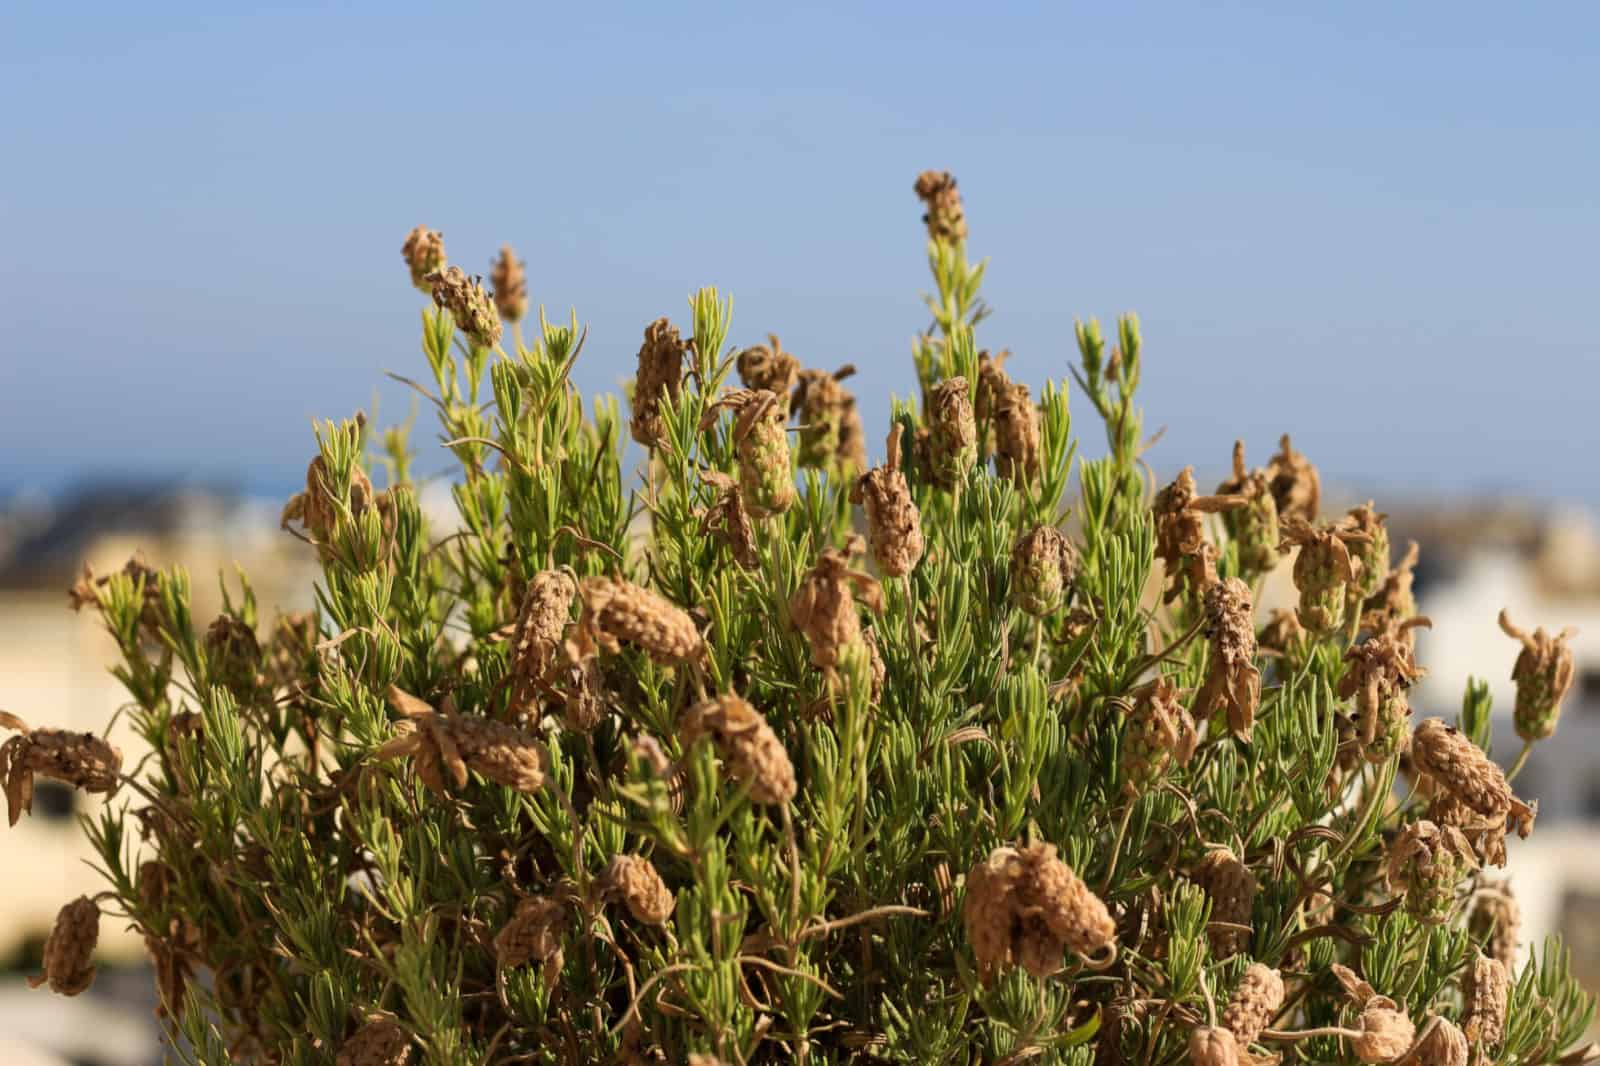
pixel 683 768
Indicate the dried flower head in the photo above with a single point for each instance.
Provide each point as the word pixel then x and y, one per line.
pixel 1181 545
pixel 748 747
pixel 1543 673
pixel 660 374
pixel 1025 906
pixel 761 441
pixel 424 255
pixel 728 520
pixel 319 507
pixel 510 281
pixel 952 433
pixel 1472 793
pixel 1324 572
pixel 1284 636
pixel 1442 1044
pixel 616 611
pixel 1232 889
pixel 69 950
pixel 1426 862
pixel 81 760
pixel 823 608
pixel 768 368
pixel 1254 525
pixel 1385 1032
pixel 233 653
pixel 443 745
pixel 945 218
pixel 1394 601
pixel 1016 434
pixel 1381 670
pixel 536 638
pixel 469 304
pixel 1043 566
pixel 1296 486
pixel 535 932
pixel 381 1041
pixel 830 427
pixel 894 527
pixel 1369 547
pixel 1485 989
pixel 1233 682
pixel 993 385
pixel 1213 1046
pixel 1159 733
pixel 1255 1001
pixel 633 879
pixel 1496 922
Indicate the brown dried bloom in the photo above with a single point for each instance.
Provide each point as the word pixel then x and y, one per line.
pixel 81 760
pixel 1213 1046
pixel 319 508
pixel 1284 636
pixel 768 368
pixel 1442 1044
pixel 381 1041
pixel 469 304
pixel 1043 565
pixel 534 933
pixel 1255 1001
pixel 1385 1032
pixel 762 444
pixel 1381 670
pixel 945 218
pixel 993 384
pixel 1233 683
pixel 1485 989
pixel 233 653
pixel 748 747
pixel 68 952
pixel 1016 434
pixel 830 427
pixel 536 638
pixel 1024 907
pixel 1496 922
pixel 424 255
pixel 1159 732
pixel 823 608
pixel 1369 548
pixel 1426 862
pixel 1181 545
pixel 443 745
pixel 1473 794
pixel 894 527
pixel 510 281
pixel 1254 525
pixel 660 372
pixel 616 611
pixel 1324 572
pixel 1543 673
pixel 728 520
pixel 952 432
pixel 1394 601
pixel 1232 889
pixel 1296 486
pixel 634 880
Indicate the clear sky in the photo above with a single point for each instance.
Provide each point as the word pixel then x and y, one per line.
pixel 1373 224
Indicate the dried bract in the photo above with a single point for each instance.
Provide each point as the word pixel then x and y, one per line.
pixel 1232 888
pixel 1213 1046
pixel 1442 1044
pixel 1160 732
pixel 534 933
pixel 1474 795
pixel 728 520
pixel 1426 863
pixel 443 745
pixel 1254 524
pixel 81 760
pixel 660 375
pixel 1369 547
pixel 768 368
pixel 1485 990
pixel 748 747
pixel 69 950
pixel 617 612
pixel 945 218
pixel 510 281
pixel 1233 682
pixel 633 879
pixel 762 444
pixel 894 527
pixel 1043 565
pixel 1394 601
pixel 1181 545
pixel 1496 922
pixel 536 638
pixel 830 426
pixel 1543 673
pixel 1025 906
pixel 1296 486
pixel 1380 670
pixel 823 608
pixel 424 255
pixel 952 433
pixel 469 304
pixel 1016 434
pixel 1255 1001
pixel 381 1041
pixel 1324 572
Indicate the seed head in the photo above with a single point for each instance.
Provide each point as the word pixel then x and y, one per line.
pixel 1043 565
pixel 1253 525
pixel 1426 863
pixel 894 527
pixel 424 255
pixel 1181 545
pixel 1394 601
pixel 469 304
pixel 660 373
pixel 1442 1045
pixel 1543 673
pixel 1470 792
pixel 1213 1046
pixel 952 433
pixel 1380 670
pixel 1025 907
pixel 1296 486
pixel 1386 1032
pixel 1485 989
pixel 1159 732
pixel 536 639
pixel 830 427
pixel 1254 1002
pixel 616 611
pixel 1324 572
pixel 68 952
pixel 749 749
pixel 534 933
pixel 510 283
pixel 633 879
pixel 766 480
pixel 1232 889
pixel 443 745
pixel 81 760
pixel 945 218
pixel 1016 434
pixel 993 385
pixel 823 608
pixel 1369 548
pixel 768 368
pixel 381 1041
pixel 1233 682
pixel 1496 922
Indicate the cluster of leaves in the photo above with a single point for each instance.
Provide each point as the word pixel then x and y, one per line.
pixel 303 872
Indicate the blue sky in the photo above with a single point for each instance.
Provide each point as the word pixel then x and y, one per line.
pixel 1372 224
